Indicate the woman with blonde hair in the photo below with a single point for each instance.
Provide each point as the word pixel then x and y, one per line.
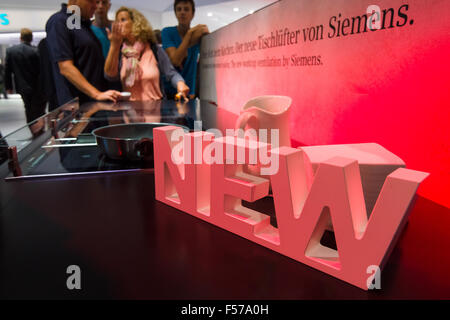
pixel 137 60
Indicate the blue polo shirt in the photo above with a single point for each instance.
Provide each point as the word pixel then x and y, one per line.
pixel 171 38
pixel 102 36
pixel 79 45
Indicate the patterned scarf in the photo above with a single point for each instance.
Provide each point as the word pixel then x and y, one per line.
pixel 133 54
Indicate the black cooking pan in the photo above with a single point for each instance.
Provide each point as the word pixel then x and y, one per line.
pixel 129 141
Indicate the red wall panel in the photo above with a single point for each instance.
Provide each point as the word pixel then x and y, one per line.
pixel 389 86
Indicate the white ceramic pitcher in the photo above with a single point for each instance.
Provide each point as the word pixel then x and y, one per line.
pixel 267 112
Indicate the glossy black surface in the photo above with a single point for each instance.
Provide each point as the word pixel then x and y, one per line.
pixel 130 246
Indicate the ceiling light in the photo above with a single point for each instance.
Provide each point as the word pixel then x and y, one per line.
pixel 209 14
pixel 235 9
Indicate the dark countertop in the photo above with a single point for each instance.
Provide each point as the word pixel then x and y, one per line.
pixel 130 246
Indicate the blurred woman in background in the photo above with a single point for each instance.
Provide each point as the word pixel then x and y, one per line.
pixel 137 60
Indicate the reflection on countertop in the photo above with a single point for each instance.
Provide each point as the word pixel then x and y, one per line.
pixel 62 140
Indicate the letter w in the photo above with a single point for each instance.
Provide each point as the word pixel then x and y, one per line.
pixel 334 201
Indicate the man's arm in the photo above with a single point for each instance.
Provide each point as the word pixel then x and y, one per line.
pixel 197 33
pixel 191 38
pixel 37 62
pixel 60 45
pixel 71 73
pixel 8 73
pixel 177 55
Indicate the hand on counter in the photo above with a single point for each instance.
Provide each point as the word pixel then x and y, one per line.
pixel 110 95
pixel 73 75
pixel 183 91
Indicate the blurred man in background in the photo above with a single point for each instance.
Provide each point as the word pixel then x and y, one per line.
pixel 182 43
pixel 101 23
pixel 99 26
pixel 47 84
pixel 22 60
pixel 76 56
pixel 2 80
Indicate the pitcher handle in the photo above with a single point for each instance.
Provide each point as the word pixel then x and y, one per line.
pixel 244 118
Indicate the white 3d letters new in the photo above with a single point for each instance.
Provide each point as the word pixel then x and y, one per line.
pixel 309 195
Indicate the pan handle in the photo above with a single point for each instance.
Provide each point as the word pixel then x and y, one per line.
pixel 144 147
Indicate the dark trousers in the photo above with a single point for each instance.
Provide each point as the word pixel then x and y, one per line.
pixel 34 106
pixel 3 91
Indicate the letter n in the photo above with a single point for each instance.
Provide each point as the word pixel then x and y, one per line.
pixel 182 182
